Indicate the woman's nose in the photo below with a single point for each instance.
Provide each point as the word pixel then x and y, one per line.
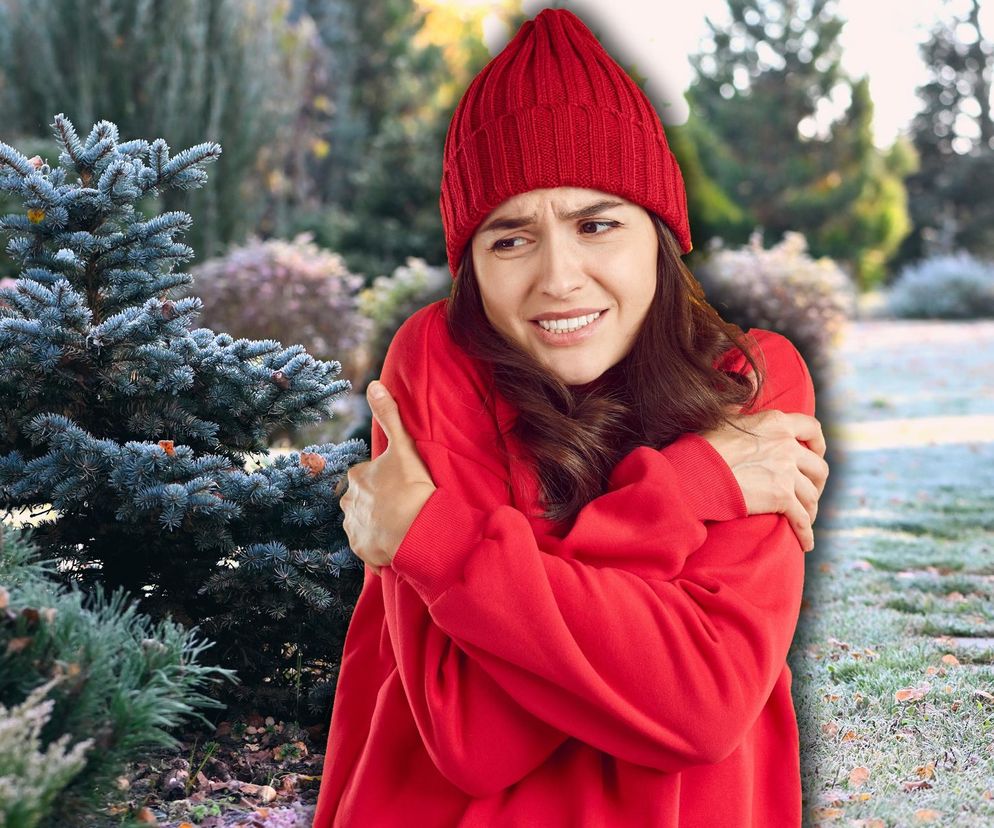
pixel 560 268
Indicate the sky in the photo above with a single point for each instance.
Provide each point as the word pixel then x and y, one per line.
pixel 880 39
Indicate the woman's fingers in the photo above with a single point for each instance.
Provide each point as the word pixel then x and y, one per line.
pixel 807 429
pixel 813 467
pixel 800 521
pixel 807 494
pixel 802 510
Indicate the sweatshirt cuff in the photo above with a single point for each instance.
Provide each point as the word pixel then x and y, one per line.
pixel 432 554
pixel 708 482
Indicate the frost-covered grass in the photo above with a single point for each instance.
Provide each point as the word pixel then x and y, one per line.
pixel 894 657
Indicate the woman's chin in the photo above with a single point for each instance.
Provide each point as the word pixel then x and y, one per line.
pixel 587 382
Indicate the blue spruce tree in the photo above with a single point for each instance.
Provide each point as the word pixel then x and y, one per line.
pixel 130 431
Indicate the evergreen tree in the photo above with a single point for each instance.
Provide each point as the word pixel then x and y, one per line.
pixel 386 96
pixel 134 430
pixel 759 90
pixel 953 133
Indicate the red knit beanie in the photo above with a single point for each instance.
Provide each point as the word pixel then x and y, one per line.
pixel 553 109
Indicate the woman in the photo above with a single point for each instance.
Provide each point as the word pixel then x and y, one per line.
pixel 585 548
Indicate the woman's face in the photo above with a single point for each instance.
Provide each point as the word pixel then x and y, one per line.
pixel 567 253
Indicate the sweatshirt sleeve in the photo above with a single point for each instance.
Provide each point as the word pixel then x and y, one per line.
pixel 644 632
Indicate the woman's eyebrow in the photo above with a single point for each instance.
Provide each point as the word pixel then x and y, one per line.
pixel 514 222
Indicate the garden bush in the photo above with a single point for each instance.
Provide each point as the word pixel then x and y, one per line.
pixel 87 685
pixel 389 300
pixel 944 287
pixel 290 291
pixel 387 303
pixel 781 289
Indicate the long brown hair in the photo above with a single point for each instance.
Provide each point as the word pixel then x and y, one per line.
pixel 667 384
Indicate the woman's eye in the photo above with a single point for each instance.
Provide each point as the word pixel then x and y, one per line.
pixel 607 223
pixel 507 244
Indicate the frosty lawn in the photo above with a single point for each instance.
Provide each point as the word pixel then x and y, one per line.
pixel 893 675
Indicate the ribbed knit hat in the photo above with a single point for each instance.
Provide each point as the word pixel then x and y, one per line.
pixel 553 109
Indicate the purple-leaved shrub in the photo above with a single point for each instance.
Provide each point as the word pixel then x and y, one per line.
pixel 292 291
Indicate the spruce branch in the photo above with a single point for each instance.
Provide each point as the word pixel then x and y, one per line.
pixel 65 132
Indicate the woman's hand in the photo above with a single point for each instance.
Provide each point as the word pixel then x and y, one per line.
pixel 385 495
pixel 779 466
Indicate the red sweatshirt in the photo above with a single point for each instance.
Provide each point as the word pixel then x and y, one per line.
pixel 627 670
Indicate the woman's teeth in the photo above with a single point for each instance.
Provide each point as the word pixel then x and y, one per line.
pixel 567 325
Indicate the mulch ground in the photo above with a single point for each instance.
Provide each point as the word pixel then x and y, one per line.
pixel 252 772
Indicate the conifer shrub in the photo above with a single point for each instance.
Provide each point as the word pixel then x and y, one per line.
pixel 133 433
pixel 87 685
pixel 959 286
pixel 782 289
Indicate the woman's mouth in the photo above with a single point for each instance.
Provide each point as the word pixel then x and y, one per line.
pixel 568 331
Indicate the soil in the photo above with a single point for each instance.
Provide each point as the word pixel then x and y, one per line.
pixel 251 772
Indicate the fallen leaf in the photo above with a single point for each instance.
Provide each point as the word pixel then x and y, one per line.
pixel 827 813
pixel 908 694
pixel 146 815
pixel 830 729
pixel 926 771
pixel 858 776
pixel 917 785
pixel 849 736
pixel 873 822
pixel 950 659
pixel 926 814
pixel 314 463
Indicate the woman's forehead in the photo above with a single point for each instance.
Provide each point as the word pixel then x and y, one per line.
pixel 561 199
